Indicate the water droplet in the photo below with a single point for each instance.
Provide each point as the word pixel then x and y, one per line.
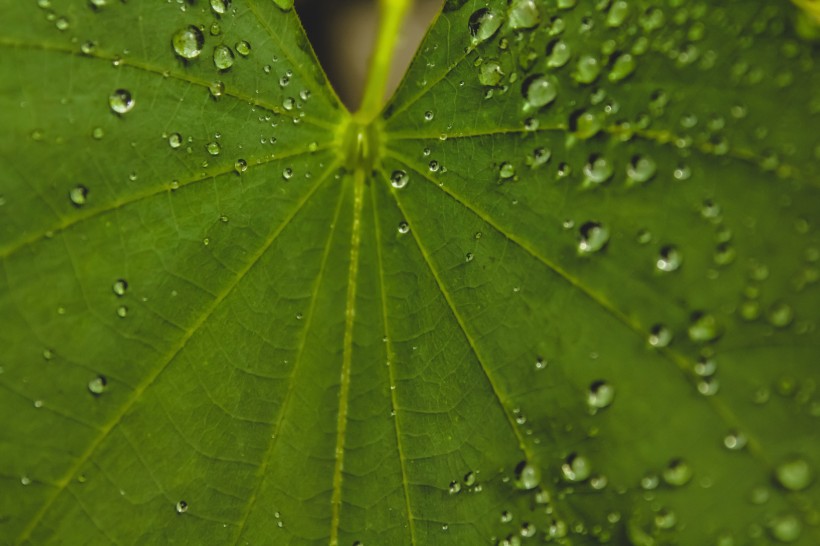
pixel 25 480
pixel 175 140
pixel 97 133
pixel 735 440
pixel 506 516
pixel 121 101
pixel 470 479
pixel 181 507
pixel 223 57
pixel 677 473
pixel 455 487
pixel 704 328
pixel 483 24
pixel 539 90
pixel 593 236
pixel 794 474
pixel 641 168
pixel 78 195
pixel 669 259
pixel 527 529
pixel 523 14
pixel 576 468
pixel 489 73
pixel 660 336
pixel 598 170
pixel 399 179
pixel 650 482
pixel 785 528
pixel 119 287
pixel 506 170
pixel 540 156
pixel 217 89
pixel 240 166
pixel 617 13
pixel 428 116
pixel 213 148
pixel 97 385
pixel 623 66
pixel 287 173
pixel 122 311
pixel 243 48
pixel 558 54
pixel 600 395
pixel 780 314
pixel 284 5
pixel 220 6
pixel 404 227
pixel 527 476
pixel 187 42
pixel 586 69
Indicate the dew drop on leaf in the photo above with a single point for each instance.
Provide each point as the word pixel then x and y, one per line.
pixel 175 140
pixel 558 54
pixel 593 236
pixel 483 24
pixel 470 479
pixel 188 42
pixel 455 487
pixel 122 311
pixel 527 475
pixel 121 101
pixel 119 287
pixel 78 195
pixel 399 179
pixel 506 170
pixel 213 148
pixel 243 48
pixel 704 328
pixel 223 57
pixel 641 168
pixel 404 227
pixel 576 468
pixel 220 6
pixel 735 440
pixel 785 527
pixel 97 385
pixel 600 395
pixel 677 473
pixel 780 314
pixel 523 14
pixel 587 69
pixel 181 507
pixel 597 169
pixel 240 166
pixel 660 336
pixel 794 474
pixel 622 67
pixel 217 89
pixel 284 5
pixel 490 73
pixel 669 259
pixel 539 90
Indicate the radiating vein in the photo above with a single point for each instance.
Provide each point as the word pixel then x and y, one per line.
pixel 172 354
pixel 347 354
pixel 391 374
pixel 148 192
pixel 277 422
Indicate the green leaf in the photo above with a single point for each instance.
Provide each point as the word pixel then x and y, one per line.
pixel 563 287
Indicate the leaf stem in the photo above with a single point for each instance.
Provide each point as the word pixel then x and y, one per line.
pixel 391 17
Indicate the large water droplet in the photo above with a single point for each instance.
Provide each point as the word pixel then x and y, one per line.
pixel 677 473
pixel 598 170
pixel 220 6
pixel 523 14
pixel 187 42
pixel 223 57
pixel 483 24
pixel 785 527
pixel 539 90
pixel 121 101
pixel 399 179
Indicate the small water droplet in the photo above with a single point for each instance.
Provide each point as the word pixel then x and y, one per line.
pixel 527 475
pixel 600 395
pixel 669 259
pixel 181 507
pixel 704 328
pixel 523 14
pixel 213 148
pixel 78 195
pixel 641 168
pixel 97 385
pixel 780 314
pixel 660 336
pixel 399 179
pixel 735 440
pixel 243 48
pixel 223 57
pixel 119 287
pixel 576 468
pixel 483 24
pixel 240 166
pixel 677 473
pixel 593 236
pixel 404 227
pixel 175 140
pixel 539 90
pixel 794 474
pixel 220 7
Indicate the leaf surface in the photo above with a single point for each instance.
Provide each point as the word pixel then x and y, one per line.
pixel 563 288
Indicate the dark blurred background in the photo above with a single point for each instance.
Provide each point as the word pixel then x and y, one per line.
pixel 342 33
